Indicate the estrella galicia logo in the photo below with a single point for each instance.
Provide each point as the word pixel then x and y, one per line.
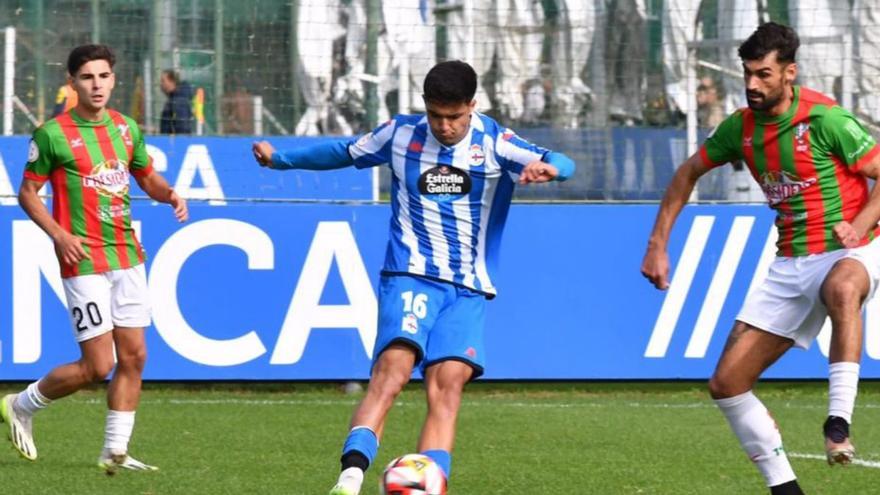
pixel 444 183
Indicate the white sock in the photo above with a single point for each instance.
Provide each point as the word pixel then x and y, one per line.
pixel 30 400
pixel 118 430
pixel 758 435
pixel 351 478
pixel 843 385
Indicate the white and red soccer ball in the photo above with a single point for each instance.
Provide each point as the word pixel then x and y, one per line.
pixel 413 474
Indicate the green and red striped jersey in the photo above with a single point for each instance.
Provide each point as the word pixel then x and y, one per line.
pixel 88 164
pixel 807 162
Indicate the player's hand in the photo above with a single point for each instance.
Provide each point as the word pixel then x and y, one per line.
pixel 538 172
pixel 655 267
pixel 181 212
pixel 263 153
pixel 69 249
pixel 846 235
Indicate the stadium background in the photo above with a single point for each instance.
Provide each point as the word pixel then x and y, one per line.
pixel 273 278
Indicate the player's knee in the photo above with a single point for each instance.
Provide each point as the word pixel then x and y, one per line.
pixel 841 293
pixel 98 370
pixel 133 359
pixel 723 387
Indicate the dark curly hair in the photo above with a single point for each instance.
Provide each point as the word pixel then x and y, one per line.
pixel 771 37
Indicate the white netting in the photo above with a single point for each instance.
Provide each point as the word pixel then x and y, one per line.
pixel 605 81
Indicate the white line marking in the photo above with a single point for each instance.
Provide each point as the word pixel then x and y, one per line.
pixel 857 462
pixel 609 403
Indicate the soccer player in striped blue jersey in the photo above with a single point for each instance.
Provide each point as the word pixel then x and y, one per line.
pixel 453 172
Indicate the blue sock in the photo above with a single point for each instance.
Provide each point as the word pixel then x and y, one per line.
pixel 442 458
pixel 363 440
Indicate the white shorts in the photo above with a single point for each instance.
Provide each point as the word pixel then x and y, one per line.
pixel 788 303
pixel 97 303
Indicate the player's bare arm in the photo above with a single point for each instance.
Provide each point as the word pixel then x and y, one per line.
pixel 158 189
pixel 655 265
pixel 263 153
pixel 849 234
pixel 68 246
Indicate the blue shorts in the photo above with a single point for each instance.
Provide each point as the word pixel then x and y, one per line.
pixel 441 321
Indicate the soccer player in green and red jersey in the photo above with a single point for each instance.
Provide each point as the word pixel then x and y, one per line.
pixel 812 158
pixel 88 153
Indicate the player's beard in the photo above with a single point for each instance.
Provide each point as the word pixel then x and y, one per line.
pixel 766 101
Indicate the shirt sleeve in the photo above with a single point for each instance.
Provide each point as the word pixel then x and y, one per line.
pixel 847 138
pixel 514 152
pixel 724 143
pixel 39 160
pixel 373 148
pixel 141 163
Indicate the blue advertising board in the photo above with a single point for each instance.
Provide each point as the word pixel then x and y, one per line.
pixel 276 291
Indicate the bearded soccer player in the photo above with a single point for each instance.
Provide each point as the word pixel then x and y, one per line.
pixel 453 172
pixel 88 153
pixel 812 159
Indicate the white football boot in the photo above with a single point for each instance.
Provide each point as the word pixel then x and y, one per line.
pixel 349 483
pixel 111 462
pixel 20 428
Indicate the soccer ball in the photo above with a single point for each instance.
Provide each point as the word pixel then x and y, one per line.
pixel 413 474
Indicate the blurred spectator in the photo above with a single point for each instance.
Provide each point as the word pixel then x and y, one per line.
pixel 625 60
pixel 238 112
pixel 819 63
pixel 867 30
pixel 570 47
pixel 710 108
pixel 736 21
pixel 177 115
pixel 64 100
pixel 679 21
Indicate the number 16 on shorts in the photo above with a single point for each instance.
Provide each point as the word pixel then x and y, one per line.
pixel 415 307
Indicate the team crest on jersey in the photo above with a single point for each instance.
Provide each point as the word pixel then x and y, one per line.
pixel 364 139
pixel 800 134
pixel 747 142
pixel 410 324
pixel 476 157
pixel 76 142
pixel 779 186
pixel 123 132
pixel 110 178
pixel 33 152
pixel 444 183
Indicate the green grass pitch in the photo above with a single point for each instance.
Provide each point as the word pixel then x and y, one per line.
pixel 642 438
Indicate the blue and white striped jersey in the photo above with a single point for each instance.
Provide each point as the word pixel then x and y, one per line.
pixel 448 203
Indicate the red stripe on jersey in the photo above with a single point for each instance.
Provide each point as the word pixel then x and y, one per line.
pixel 815 97
pixel 35 176
pixel 805 167
pixel 90 195
pixel 61 213
pixel 861 162
pixel 704 155
pixel 143 172
pixel 138 248
pixel 772 160
pixel 853 191
pixel 116 202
